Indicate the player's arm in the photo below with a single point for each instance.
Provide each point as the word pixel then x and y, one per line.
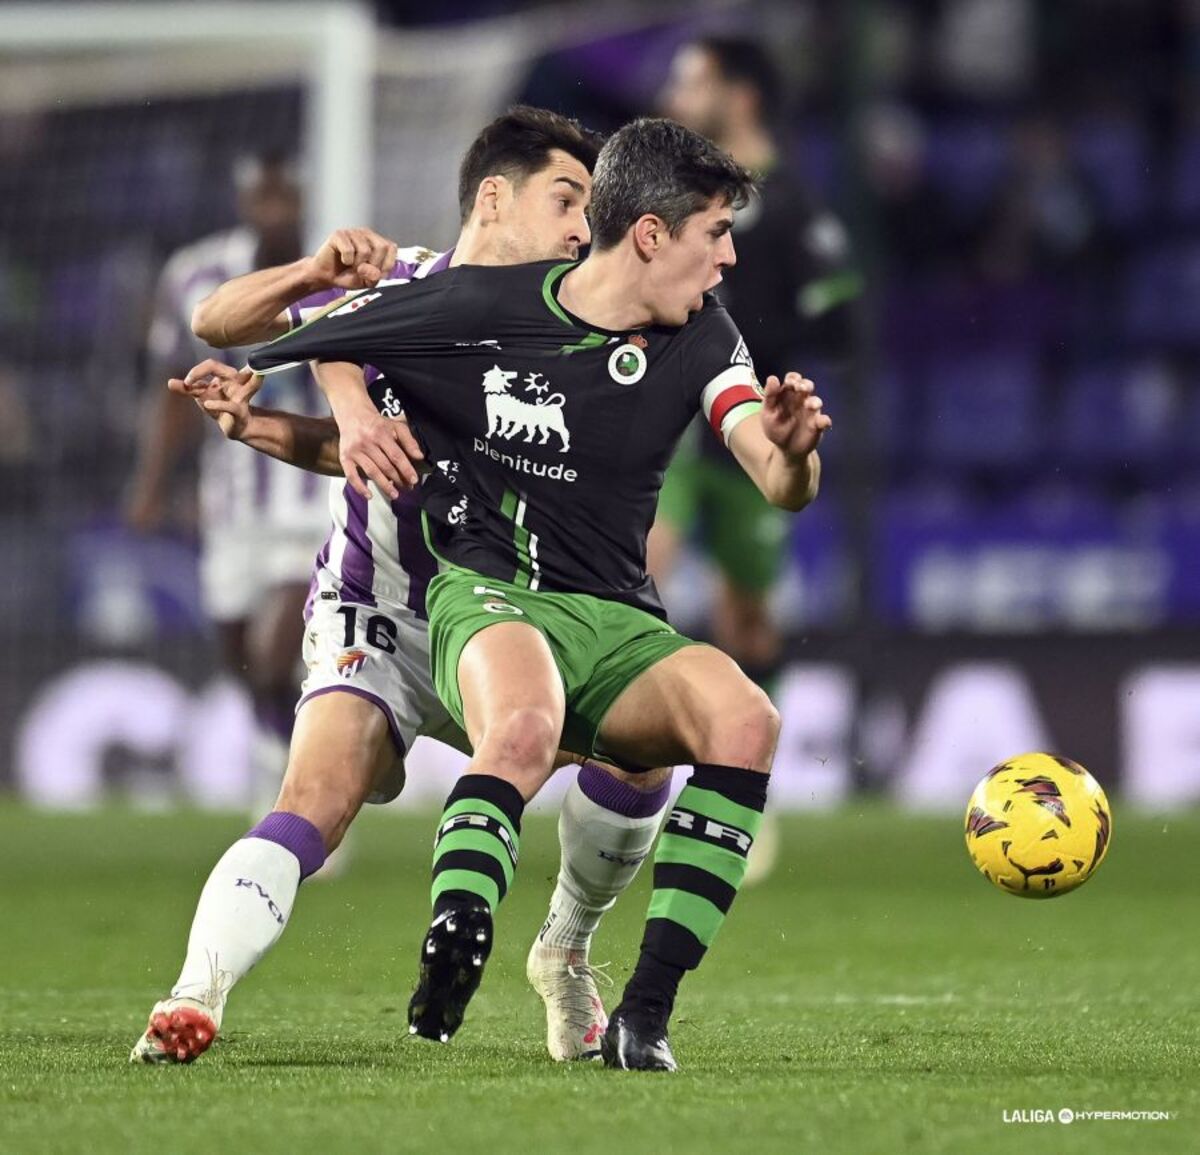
pixel 393 321
pixel 777 444
pixel 371 447
pixel 255 307
pixel 223 393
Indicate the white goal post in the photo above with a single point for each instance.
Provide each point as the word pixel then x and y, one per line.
pixel 79 53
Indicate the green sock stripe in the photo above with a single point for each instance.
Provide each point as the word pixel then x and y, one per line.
pixel 688 910
pixel 719 809
pixel 727 865
pixel 469 880
pixel 479 840
pixel 479 806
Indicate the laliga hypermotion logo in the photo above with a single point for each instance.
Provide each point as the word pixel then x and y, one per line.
pixel 509 415
pixel 349 662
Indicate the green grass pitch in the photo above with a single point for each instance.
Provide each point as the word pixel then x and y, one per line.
pixel 875 995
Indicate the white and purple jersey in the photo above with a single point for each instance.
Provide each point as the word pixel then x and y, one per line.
pixel 376 551
pixel 240 491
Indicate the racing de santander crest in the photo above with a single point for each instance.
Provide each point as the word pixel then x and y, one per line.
pixel 627 364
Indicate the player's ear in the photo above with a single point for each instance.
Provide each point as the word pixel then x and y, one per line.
pixel 489 196
pixel 649 233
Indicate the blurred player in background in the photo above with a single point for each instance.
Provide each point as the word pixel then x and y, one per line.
pixel 260 523
pixel 790 294
pixel 523 192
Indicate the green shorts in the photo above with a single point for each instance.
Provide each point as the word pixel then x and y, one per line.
pixel 599 646
pixel 743 533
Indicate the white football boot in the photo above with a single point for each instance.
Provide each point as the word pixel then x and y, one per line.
pixel 566 982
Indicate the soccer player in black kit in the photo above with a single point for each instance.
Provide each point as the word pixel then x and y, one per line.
pixel 548 399
pixel 795 289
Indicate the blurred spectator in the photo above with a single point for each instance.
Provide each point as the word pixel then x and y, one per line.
pixel 790 294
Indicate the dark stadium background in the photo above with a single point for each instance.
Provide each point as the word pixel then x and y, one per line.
pixel 1006 548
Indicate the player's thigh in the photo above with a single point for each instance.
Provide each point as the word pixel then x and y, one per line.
pixel 341 748
pixel 695 705
pixel 507 671
pixel 491 664
pixel 379 656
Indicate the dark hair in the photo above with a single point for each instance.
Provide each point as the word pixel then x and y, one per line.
pixel 518 144
pixel 745 61
pixel 657 166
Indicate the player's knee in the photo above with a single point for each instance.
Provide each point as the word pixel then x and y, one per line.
pixel 523 740
pixel 747 731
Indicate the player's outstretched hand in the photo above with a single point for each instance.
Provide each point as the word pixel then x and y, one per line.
pixel 793 417
pixel 379 449
pixel 354 259
pixel 222 392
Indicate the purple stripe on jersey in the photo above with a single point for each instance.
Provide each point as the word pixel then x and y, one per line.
pixel 401 271
pixel 358 560
pixel 441 263
pixel 315 301
pixel 411 551
pixel 321 561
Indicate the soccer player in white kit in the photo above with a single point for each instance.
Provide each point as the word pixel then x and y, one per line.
pixel 260 522
pixel 523 194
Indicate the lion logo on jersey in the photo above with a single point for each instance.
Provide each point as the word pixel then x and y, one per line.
pixel 508 415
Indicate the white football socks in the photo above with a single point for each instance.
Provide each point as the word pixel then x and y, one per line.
pixel 243 908
pixel 602 851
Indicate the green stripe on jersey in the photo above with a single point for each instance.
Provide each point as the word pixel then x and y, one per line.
pixel 552 278
pixel 592 340
pixel 511 507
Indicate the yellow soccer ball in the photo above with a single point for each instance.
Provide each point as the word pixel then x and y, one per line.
pixel 1038 825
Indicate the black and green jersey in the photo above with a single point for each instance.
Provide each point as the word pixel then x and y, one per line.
pixel 547 438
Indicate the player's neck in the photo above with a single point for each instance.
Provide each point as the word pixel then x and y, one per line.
pixel 476 246
pixel 598 291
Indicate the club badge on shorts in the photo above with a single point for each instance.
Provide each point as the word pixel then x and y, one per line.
pixel 349 662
